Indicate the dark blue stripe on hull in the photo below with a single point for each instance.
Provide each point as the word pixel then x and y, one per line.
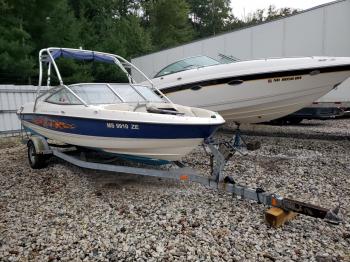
pixel 106 128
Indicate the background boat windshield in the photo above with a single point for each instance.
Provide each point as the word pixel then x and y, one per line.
pixel 186 64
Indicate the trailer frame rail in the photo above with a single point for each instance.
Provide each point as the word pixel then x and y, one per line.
pixel 220 153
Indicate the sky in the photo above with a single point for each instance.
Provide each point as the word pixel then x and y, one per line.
pixel 241 8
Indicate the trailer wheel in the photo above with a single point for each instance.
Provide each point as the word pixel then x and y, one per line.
pixel 36 161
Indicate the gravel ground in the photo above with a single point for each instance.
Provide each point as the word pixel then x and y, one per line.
pixel 65 213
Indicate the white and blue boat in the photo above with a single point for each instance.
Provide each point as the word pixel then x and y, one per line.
pixel 136 121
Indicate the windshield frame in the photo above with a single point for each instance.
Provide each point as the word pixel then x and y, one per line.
pixel 185 69
pixel 48 56
pixel 55 92
pixel 119 96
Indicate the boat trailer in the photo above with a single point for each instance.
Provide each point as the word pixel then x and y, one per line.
pixel 39 150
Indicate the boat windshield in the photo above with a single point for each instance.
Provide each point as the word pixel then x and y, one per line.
pixel 94 94
pixel 114 93
pixel 186 64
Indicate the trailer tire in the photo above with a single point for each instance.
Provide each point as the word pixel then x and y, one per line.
pixel 36 161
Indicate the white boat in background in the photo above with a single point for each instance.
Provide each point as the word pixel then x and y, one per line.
pixel 133 121
pixel 252 91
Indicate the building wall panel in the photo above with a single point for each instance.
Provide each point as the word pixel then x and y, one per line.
pixel 267 40
pixel 304 34
pixel 11 99
pixel 239 44
pixel 337 29
pixel 213 46
pixel 193 49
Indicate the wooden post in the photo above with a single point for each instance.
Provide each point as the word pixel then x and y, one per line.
pixel 276 217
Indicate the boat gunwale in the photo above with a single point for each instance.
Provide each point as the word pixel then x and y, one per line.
pixel 130 121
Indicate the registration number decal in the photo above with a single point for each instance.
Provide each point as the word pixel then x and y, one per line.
pixel 122 126
pixel 283 79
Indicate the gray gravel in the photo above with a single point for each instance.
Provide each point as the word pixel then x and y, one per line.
pixel 66 213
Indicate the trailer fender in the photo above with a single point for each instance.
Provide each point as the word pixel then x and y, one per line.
pixel 40 144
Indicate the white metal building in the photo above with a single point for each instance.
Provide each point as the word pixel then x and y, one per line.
pixel 322 30
pixel 11 99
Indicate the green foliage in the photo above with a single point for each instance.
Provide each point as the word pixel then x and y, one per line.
pixel 262 15
pixel 210 16
pixel 16 64
pixel 126 38
pixel 109 27
pixel 34 14
pixel 60 28
pixel 273 13
pixel 73 72
pixel 169 23
pixel 126 27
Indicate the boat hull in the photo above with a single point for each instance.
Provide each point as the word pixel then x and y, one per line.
pixel 260 100
pixel 156 141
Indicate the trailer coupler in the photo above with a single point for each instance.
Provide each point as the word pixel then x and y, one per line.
pixel 274 200
pixel 329 215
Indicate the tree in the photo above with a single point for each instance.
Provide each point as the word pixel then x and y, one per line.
pixel 60 28
pixel 262 15
pixel 34 15
pixel 273 13
pixel 127 39
pixel 169 22
pixel 15 47
pixel 110 26
pixel 210 17
pixel 125 27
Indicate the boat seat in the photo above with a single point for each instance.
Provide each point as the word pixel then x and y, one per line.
pixel 167 111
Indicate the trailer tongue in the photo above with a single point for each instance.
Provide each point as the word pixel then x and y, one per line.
pixel 220 153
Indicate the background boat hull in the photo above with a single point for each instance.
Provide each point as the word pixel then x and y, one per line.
pixel 260 100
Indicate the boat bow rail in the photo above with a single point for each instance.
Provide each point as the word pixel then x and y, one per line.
pixel 220 153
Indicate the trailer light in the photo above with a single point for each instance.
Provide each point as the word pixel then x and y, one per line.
pixel 183 177
pixel 274 202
